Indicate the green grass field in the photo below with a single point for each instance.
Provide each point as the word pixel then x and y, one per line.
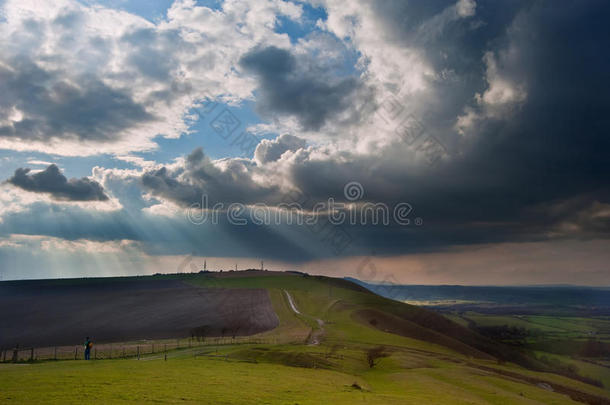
pixel 556 326
pixel 336 371
pixel 557 340
pixel 203 380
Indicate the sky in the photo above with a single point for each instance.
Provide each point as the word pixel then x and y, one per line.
pixel 437 142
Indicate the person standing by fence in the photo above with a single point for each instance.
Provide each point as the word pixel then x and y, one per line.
pixel 88 346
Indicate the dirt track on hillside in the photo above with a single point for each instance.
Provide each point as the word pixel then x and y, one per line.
pixel 316 335
pixel 42 314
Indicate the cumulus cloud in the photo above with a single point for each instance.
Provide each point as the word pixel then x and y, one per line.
pixel 272 150
pixel 312 96
pixel 225 181
pixel 500 91
pixel 41 104
pixel 84 80
pixel 502 97
pixel 53 182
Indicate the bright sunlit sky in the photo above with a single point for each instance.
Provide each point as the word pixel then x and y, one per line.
pixel 486 122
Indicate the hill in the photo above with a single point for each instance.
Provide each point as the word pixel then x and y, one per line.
pixel 335 342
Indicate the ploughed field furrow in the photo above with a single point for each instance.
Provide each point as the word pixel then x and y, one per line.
pixel 35 314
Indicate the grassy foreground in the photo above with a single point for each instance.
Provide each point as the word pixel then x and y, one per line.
pixel 424 361
pixel 204 380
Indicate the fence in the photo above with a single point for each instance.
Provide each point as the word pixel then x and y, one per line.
pixel 130 349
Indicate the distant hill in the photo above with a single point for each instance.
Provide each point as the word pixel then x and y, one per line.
pixel 531 299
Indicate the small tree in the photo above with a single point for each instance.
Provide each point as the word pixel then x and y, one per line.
pixel 374 354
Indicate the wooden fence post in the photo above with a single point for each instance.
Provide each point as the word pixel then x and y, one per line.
pixel 75 352
pixel 31 354
pixel 138 352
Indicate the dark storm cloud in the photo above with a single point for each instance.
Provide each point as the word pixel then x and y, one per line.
pixel 51 181
pixel 312 96
pixel 585 216
pixel 454 46
pixel 540 172
pixel 556 146
pixel 53 105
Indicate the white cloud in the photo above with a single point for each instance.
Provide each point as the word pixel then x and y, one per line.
pixel 137 161
pixel 466 8
pixel 58 245
pixel 38 162
pixel 506 90
pixel 502 91
pixel 50 244
pixel 157 70
pixel 165 208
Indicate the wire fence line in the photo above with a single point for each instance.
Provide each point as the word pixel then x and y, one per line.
pixel 131 349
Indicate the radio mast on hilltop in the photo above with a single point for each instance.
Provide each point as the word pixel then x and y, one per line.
pixel 262 265
pixel 205 265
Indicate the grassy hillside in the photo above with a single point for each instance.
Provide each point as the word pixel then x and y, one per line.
pixel 349 346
